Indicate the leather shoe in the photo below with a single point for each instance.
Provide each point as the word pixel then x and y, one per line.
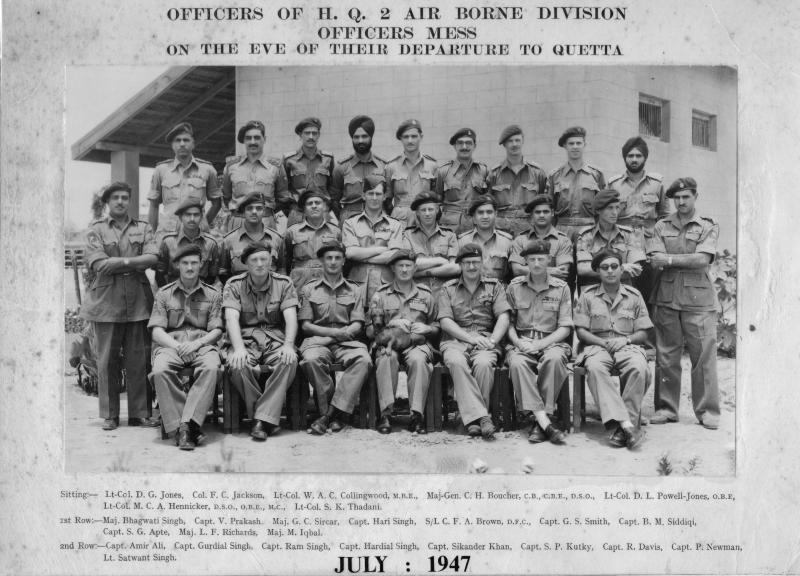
pixel 416 424
pixel 110 423
pixel 474 430
pixel 617 439
pixel 259 431
pixel 487 428
pixel 337 425
pixel 555 435
pixel 537 435
pixel 384 425
pixel 633 437
pixel 145 422
pixel 710 422
pixel 196 433
pixel 184 438
pixel 319 426
pixel 661 417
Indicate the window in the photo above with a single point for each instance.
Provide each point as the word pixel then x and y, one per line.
pixel 704 130
pixel 654 117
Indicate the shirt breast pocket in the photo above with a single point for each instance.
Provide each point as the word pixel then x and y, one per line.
pixel 692 239
pixel 382 237
pixel 301 247
pixel 274 314
pixel 320 304
pixel 399 183
pixel 501 193
pixel 170 188
pixel 599 322
pixel 588 192
pixel 136 239
pixel 200 311
pixel 321 176
pixel 529 190
pixel 345 303
pixel 624 322
pixel 650 198
pixel 419 311
pixel 174 317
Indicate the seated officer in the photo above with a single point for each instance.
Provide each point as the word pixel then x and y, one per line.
pixel 473 313
pixel 252 231
pixel 612 321
pixel 332 316
pixel 411 308
pixel 190 214
pixel 304 239
pixel 261 321
pixel 541 322
pixel 186 324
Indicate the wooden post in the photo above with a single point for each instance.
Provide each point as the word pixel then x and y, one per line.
pixel 125 168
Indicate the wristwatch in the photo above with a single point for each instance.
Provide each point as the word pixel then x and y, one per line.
pixel 669 261
pixel 126 261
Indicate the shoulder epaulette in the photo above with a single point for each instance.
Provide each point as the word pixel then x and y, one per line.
pixel 97 221
pixel 431 158
pixel 593 288
pixel 328 154
pixel 555 281
pixel 423 287
pixel 229 160
pixel 451 282
pixel 533 164
pixel 291 153
pixel 560 233
pixel 616 177
pixel 346 159
pixel 274 231
pixel 517 280
pixel 631 289
pixel 378 158
pixel 168 285
pixel 237 277
pixel 465 234
pixel 493 168
pixel 504 234
pixel 209 286
pixel 586 228
pixel 277 162
pixel 624 228
pixel 593 167
pixel 448 163
pixel 280 276
pixel 165 161
pixel 208 236
pixel 554 172
pixel 383 286
pixel 395 159
pixel 708 219
pixel 203 161
pixel 232 232
pixel 655 176
pixel 490 280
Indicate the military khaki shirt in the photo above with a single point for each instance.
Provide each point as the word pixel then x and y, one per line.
pixel 560 246
pixel 187 315
pixel 234 243
pixel 261 308
pixel 608 318
pixel 389 303
pixel 513 190
pixel 591 240
pixel 496 251
pixel 458 185
pixel 473 311
pixel 574 190
pixel 209 258
pixel 536 313
pixel 352 177
pixel 264 175
pixel 171 184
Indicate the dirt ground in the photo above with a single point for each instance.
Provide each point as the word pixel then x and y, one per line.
pixel 689 448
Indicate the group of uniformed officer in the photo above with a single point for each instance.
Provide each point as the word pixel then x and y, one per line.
pixel 402 257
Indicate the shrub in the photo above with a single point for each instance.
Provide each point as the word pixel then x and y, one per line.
pixel 723 276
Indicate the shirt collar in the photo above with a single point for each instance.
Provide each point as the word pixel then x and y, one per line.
pixel 263 160
pixel 414 289
pixel 176 163
pixel 251 288
pixel 113 223
pixel 179 286
pixel 551 233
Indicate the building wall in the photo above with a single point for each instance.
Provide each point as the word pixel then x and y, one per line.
pixel 544 100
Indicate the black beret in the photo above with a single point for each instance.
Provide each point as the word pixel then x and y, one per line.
pixel 406 125
pixel 687 183
pixel 605 254
pixel 538 200
pixel 571 132
pixel 481 201
pixel 188 203
pixel 329 246
pixel 424 198
pixel 251 198
pixel 402 254
pixel 187 250
pixel 468 132
pixel 252 124
pixel 635 142
pixel 115 187
pixel 508 132
pixel 311 193
pixel 604 198
pixel 250 249
pixel 470 250
pixel 536 247
pixel 179 129
pixel 305 123
pixel 361 121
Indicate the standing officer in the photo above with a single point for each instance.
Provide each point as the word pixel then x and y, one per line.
pixel 473 314
pixel 261 321
pixel 255 173
pixel 459 182
pixel 495 244
pixel 190 214
pixel 642 201
pixel 332 316
pixel 409 307
pixel 607 234
pixel 186 324
pixel 409 174
pixel 371 240
pixel 574 185
pixel 612 321
pixel 308 168
pixel 118 250
pixel 251 231
pixel 436 248
pixel 686 306
pixel 541 214
pixel 541 324
pixel 305 238
pixel 357 173
pixel 515 182
pixel 180 178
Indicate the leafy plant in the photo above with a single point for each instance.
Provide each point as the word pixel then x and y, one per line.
pixel 723 276
pixel 664 467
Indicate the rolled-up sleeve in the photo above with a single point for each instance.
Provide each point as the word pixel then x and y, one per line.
pixel 565 308
pixel 158 317
pixel 581 315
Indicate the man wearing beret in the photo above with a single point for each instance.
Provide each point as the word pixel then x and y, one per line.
pixel 180 178
pixel 308 168
pixel 460 181
pixel 305 238
pixel 686 306
pixel 514 182
pixel 261 321
pixel 541 215
pixel 186 323
pixel 541 324
pixel 118 250
pixel 641 195
pixel 357 173
pixel 495 244
pixel 371 238
pixel 612 322
pixel 473 314
pixel 255 173
pixel 410 307
pixel 332 317
pixel 251 210
pixel 409 174
pixel 606 233
pixel 436 248
pixel 574 185
pixel 190 214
